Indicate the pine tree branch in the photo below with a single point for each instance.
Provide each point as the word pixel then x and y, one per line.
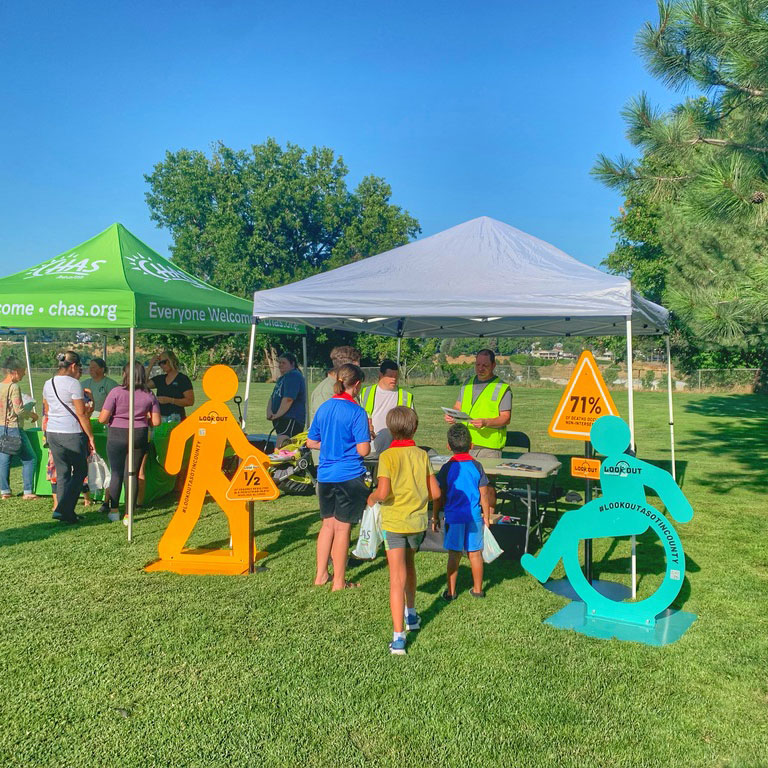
pixel 719 81
pixel 725 143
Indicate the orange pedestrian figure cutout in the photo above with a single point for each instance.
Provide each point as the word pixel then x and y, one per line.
pixel 211 426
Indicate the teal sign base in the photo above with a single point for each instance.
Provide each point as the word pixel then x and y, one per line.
pixel 670 625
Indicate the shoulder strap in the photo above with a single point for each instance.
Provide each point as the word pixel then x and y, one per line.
pixel 74 415
pixel 7 406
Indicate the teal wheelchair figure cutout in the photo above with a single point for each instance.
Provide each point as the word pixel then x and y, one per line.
pixel 621 511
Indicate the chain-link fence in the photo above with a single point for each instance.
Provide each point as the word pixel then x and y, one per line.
pixel 645 376
pixel 650 377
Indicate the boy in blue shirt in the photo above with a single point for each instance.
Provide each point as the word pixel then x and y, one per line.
pixel 465 489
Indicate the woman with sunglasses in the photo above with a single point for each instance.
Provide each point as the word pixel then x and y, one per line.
pixel 174 389
pixel 68 433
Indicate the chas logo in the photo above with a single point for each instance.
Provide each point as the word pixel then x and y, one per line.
pixel 164 272
pixel 67 267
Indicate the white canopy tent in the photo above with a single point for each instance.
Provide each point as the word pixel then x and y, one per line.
pixel 480 278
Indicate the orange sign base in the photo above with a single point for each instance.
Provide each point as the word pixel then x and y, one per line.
pixel 201 561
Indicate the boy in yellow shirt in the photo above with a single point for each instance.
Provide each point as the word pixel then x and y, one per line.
pixel 405 485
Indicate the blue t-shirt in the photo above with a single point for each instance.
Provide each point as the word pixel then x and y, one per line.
pixel 460 480
pixel 291 385
pixel 340 425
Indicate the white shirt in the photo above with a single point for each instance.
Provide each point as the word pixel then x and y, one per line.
pixel 385 401
pixel 59 418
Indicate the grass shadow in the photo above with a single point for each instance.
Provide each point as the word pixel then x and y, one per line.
pixel 42 530
pixel 737 428
pixel 292 533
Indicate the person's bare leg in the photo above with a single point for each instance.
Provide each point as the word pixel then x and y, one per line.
pixel 476 563
pixel 324 542
pixel 492 499
pixel 410 579
pixel 397 578
pixel 339 549
pixel 142 485
pixel 454 558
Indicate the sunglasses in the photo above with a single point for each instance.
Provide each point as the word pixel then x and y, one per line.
pixel 163 362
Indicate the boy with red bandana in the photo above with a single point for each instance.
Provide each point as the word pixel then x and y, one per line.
pixel 465 489
pixel 405 485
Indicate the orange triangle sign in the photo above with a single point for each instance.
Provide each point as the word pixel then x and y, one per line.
pixel 252 483
pixel 585 400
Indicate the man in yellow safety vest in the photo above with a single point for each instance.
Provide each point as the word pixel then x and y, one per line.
pixel 379 399
pixel 488 401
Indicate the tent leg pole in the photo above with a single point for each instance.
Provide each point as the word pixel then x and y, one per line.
pixel 631 399
pixel 399 340
pixel 132 469
pixel 104 349
pixel 304 352
pixel 671 413
pixel 29 367
pixel 248 374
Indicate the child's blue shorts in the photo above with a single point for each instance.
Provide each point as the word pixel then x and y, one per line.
pixel 464 537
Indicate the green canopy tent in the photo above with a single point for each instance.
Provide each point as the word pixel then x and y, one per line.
pixel 114 281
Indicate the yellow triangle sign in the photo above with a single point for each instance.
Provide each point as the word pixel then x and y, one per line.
pixel 585 400
pixel 252 483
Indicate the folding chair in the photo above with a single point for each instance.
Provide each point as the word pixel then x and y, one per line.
pixel 541 500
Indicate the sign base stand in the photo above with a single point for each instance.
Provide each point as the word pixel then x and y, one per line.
pixel 204 561
pixel 609 589
pixel 671 625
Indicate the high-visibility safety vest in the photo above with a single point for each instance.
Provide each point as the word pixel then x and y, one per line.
pixel 485 407
pixel 368 398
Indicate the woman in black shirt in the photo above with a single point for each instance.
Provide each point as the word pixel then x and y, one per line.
pixel 174 389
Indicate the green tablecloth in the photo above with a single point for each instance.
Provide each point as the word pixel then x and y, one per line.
pixel 158 481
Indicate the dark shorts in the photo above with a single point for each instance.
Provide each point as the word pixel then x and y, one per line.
pixel 288 427
pixel 403 540
pixel 344 501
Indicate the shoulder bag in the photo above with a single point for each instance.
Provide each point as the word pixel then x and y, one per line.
pixel 10 444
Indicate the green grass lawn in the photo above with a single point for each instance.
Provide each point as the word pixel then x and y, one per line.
pixel 102 664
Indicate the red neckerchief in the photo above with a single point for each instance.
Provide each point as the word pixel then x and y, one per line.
pixel 401 443
pixel 461 457
pixel 345 396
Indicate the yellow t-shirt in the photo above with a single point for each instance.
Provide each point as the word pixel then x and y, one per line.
pixel 405 509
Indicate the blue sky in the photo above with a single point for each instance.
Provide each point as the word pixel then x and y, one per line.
pixel 467 109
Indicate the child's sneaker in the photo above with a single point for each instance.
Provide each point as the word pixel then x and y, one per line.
pixel 412 621
pixel 397 647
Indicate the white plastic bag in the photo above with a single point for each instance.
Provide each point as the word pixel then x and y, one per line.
pixel 370 534
pixel 98 473
pixel 491 548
